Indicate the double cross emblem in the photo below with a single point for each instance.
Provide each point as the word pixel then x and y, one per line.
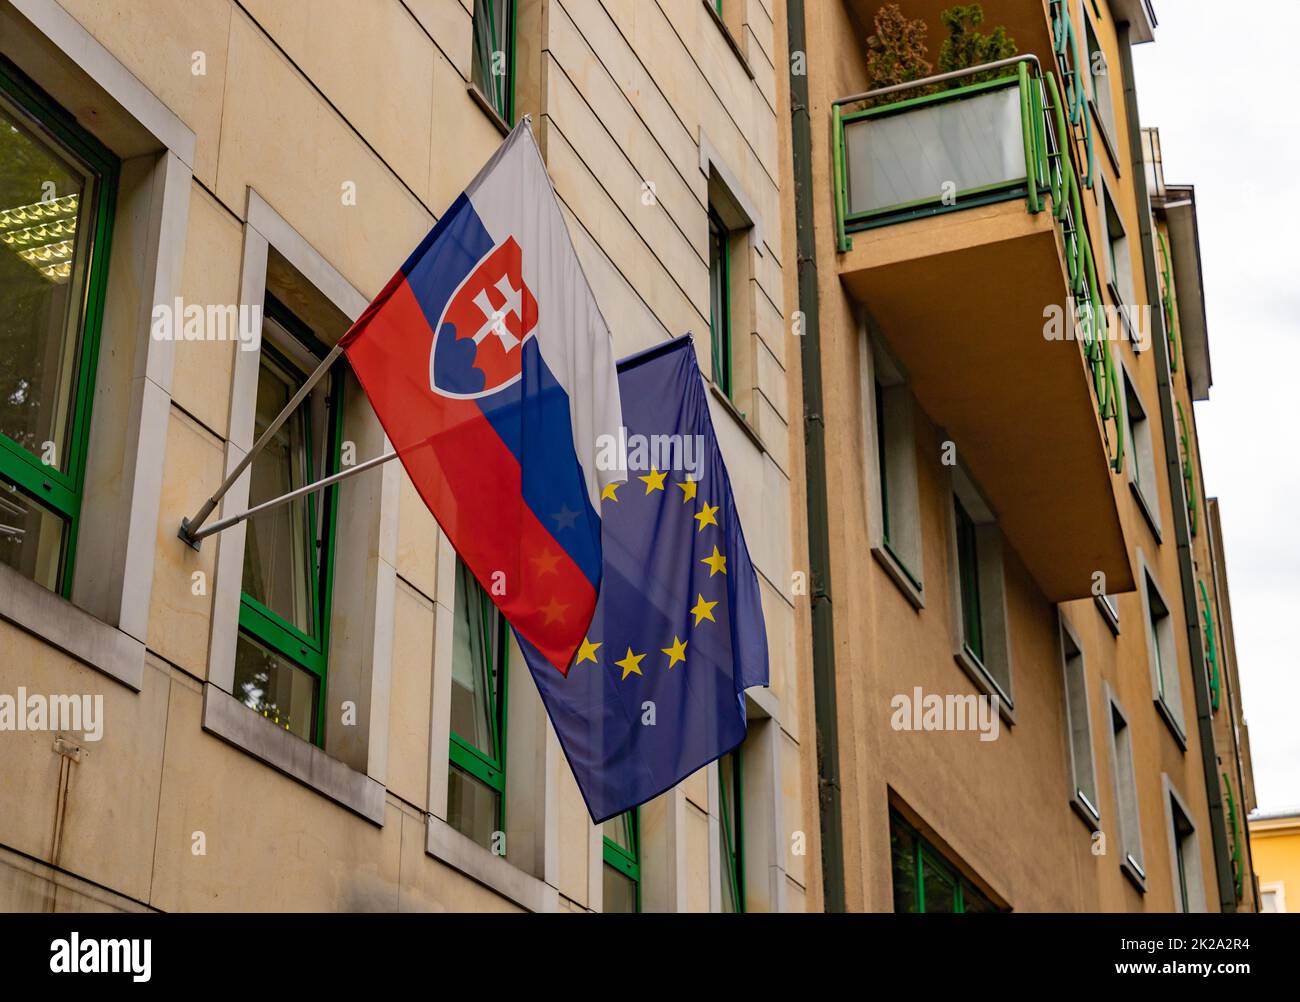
pixel 494 319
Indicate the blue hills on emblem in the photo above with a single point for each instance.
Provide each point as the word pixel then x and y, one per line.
pixel 453 363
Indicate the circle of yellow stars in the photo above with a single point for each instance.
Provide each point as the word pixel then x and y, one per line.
pixel 705 515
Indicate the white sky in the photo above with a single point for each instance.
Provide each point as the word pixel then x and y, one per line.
pixel 1217 82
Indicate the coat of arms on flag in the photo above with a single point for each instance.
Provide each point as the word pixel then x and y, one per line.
pixel 478 341
pixel 492 371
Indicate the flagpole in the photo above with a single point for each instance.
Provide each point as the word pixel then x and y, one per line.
pixel 293 495
pixel 189 531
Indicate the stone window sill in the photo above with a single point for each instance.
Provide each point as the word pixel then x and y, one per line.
pixel 71 629
pixel 446 844
pixel 233 722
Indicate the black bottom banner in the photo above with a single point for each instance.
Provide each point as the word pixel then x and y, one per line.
pixel 291 952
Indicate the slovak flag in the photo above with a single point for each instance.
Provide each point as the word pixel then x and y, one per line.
pixel 492 371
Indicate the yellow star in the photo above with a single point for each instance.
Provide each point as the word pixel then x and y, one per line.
pixel 610 492
pixel 631 663
pixel 706 516
pixel 546 563
pixel 654 480
pixel 688 489
pixel 587 652
pixel 717 562
pixel 675 653
pixel 554 612
pixel 703 610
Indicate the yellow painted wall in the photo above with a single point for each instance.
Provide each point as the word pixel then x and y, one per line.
pixel 1275 845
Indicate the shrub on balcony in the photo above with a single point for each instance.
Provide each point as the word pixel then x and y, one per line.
pixel 967 46
pixel 896 51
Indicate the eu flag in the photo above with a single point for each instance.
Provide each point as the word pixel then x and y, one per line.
pixel 656 690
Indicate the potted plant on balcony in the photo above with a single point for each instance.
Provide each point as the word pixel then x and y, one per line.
pixel 966 46
pixel 897 51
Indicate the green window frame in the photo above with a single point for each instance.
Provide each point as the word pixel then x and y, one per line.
pixel 968 576
pixel 277 637
pixel 720 301
pixel 469 762
pixel 495 28
pixel 55 489
pixel 925 880
pixel 622 854
pixel 731 810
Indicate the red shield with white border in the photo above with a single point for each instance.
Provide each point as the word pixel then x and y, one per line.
pixel 479 339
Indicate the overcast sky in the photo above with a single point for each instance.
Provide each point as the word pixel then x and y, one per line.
pixel 1216 82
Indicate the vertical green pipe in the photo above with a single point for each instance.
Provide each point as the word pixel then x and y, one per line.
pixel 823 639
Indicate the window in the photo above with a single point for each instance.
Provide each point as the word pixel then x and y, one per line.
pixel 283 646
pixel 924 880
pixel 1272 897
pixel 1189 887
pixel 720 300
pixel 1099 70
pixel 1181 833
pixel 1108 606
pixel 492 65
pixel 476 780
pixel 969 575
pixel 1130 825
pixel 897 536
pixel 1118 264
pixel 1078 721
pixel 979 592
pixel 622 867
pixel 57 191
pixel 1141 455
pixel 1163 657
pixel 731 831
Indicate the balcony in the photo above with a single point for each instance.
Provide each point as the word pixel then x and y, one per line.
pixel 961 229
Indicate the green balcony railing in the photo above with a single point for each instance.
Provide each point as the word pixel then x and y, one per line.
pixel 1189 475
pixel 1211 647
pixel 1074 70
pixel 1234 823
pixel 1167 303
pixel 937 145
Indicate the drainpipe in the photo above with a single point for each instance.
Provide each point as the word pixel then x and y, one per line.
pixel 1182 530
pixel 823 639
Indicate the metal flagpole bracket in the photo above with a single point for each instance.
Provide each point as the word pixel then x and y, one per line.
pixel 193 537
pixel 190 529
pixel 185 536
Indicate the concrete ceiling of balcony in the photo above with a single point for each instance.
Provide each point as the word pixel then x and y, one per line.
pixel 960 298
pixel 1026 21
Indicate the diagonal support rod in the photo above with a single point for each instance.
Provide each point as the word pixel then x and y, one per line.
pixel 334 478
pixel 189 532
